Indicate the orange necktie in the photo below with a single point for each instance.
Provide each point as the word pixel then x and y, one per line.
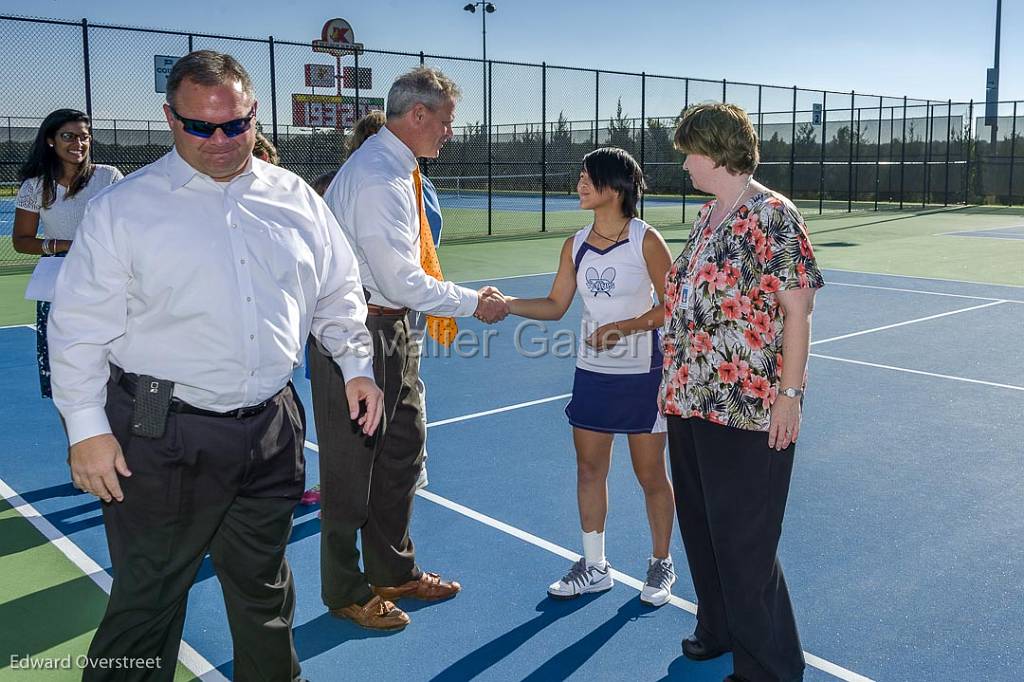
pixel 441 329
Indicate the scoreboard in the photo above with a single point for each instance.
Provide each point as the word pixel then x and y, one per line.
pixel 331 111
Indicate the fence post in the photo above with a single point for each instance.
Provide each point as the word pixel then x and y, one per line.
pixel 760 116
pixel 892 144
pixel 949 123
pixel 856 167
pixel 355 112
pixel 597 103
pixel 968 138
pixel 686 104
pixel 190 42
pixel 821 161
pixel 849 171
pixel 543 147
pixel 927 154
pixel 422 59
pixel 903 150
pixel 85 59
pixel 878 154
pixel 723 90
pixel 273 92
pixel 792 150
pixel 1013 152
pixel 643 133
pixel 490 149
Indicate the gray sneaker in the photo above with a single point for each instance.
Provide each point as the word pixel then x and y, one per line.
pixel 582 579
pixel 661 574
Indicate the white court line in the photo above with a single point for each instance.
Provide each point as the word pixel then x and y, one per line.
pixel 977 236
pixel 500 409
pixel 17 326
pixel 188 656
pixel 678 602
pixel 917 371
pixel 901 324
pixel 497 279
pixel 936 279
pixel 921 291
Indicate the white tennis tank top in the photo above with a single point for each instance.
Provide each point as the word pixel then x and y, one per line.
pixel 614 285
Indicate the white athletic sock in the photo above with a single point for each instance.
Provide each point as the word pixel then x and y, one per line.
pixel 593 548
pixel 667 559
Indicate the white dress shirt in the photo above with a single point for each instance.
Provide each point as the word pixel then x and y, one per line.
pixel 374 200
pixel 212 285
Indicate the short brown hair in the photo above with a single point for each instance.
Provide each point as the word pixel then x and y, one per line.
pixel 721 132
pixel 422 85
pixel 209 68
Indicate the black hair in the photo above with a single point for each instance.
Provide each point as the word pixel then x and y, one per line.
pixel 44 163
pixel 614 168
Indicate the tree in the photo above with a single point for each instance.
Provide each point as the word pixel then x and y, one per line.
pixel 620 129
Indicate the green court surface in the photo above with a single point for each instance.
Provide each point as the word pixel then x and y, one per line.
pixel 49 608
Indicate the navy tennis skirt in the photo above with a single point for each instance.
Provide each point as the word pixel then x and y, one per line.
pixel 616 403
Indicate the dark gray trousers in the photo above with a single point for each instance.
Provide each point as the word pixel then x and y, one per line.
pixel 367 484
pixel 211 484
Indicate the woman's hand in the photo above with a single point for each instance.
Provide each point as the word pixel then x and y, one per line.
pixel 606 336
pixel 785 424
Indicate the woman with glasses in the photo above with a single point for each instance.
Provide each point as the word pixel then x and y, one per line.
pixel 57 181
pixel 617 265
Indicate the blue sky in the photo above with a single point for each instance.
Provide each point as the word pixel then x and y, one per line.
pixel 935 49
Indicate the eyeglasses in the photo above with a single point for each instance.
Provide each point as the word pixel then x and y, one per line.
pixel 199 128
pixel 68 136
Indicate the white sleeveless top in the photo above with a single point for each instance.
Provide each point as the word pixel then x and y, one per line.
pixel 60 219
pixel 614 285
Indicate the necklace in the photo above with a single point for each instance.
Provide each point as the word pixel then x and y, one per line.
pixel 699 246
pixel 617 237
pixel 736 203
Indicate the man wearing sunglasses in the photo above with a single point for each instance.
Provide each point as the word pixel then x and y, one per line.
pixel 178 320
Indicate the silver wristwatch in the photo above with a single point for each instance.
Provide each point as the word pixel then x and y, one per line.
pixel 792 392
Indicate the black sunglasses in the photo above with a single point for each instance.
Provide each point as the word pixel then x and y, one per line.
pixel 199 128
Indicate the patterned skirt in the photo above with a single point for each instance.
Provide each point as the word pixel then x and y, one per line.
pixel 42 351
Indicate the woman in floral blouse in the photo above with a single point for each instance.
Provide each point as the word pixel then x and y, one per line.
pixel 738 304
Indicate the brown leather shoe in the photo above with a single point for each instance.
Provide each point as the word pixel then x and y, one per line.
pixel 377 614
pixel 429 587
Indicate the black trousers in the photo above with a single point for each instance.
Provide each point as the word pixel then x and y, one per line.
pixel 219 485
pixel 367 485
pixel 731 491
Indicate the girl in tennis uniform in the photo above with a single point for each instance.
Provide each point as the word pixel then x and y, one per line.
pixel 617 264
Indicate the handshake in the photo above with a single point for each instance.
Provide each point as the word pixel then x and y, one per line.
pixel 493 306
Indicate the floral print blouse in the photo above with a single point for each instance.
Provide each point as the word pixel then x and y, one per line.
pixel 722 338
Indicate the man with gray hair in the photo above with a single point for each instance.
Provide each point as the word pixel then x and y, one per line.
pixel 367 485
pixel 178 320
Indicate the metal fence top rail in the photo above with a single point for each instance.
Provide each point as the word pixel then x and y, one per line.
pixel 422 55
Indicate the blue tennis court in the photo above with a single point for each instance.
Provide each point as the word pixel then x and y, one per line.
pixel 904 539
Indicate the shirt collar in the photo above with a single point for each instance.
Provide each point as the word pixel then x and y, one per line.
pixel 180 173
pixel 398 148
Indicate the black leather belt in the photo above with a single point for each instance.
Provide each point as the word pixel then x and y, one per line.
pixel 129 382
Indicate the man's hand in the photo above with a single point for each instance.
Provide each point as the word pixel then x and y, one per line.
pixel 95 463
pixel 492 306
pixel 605 336
pixel 363 390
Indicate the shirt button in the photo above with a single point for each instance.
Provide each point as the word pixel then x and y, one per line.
pixel 242 261
pixel 234 226
pixel 252 337
pixel 248 299
pixel 252 374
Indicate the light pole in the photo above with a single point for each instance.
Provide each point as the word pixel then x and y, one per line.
pixel 992 84
pixel 486 8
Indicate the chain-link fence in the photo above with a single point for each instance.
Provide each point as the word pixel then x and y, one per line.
pixel 523 128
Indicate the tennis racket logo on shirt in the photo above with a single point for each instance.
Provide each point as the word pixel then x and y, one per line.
pixel 603 283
